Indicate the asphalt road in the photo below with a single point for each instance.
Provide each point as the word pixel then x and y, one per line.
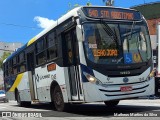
pixel 127 109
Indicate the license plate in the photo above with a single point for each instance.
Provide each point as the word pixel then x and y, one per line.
pixel 126 88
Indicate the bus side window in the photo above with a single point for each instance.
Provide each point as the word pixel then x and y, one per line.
pixel 52 46
pixel 22 62
pixel 14 61
pixel 40 52
pixel 10 69
pixel 15 70
pixel 5 70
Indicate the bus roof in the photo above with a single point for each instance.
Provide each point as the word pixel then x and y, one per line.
pixel 72 13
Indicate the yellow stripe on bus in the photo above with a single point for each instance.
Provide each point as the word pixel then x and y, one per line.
pixel 16 83
pixel 31 41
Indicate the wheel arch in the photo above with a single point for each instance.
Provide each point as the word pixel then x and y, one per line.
pixel 15 93
pixel 53 85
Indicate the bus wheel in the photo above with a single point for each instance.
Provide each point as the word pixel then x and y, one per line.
pixel 111 103
pixel 58 99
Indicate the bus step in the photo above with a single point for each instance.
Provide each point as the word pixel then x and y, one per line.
pixel 35 101
pixel 76 102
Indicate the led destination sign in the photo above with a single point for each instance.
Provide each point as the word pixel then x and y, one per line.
pixel 112 13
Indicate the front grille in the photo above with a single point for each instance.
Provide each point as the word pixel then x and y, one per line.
pixel 117 91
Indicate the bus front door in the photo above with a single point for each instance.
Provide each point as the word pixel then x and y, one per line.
pixel 32 77
pixel 72 61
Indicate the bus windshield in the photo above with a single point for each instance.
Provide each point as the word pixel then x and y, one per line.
pixel 125 43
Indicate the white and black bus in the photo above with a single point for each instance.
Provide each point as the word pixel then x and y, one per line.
pixel 90 54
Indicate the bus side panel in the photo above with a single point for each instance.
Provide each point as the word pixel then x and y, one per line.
pixel 21 83
pixel 91 93
pixel 67 95
pixel 44 78
pixel 44 94
pixel 23 88
pixel 60 77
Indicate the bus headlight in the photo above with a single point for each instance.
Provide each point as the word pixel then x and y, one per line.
pixel 92 79
pixel 151 75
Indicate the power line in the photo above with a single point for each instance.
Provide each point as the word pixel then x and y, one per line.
pixel 22 26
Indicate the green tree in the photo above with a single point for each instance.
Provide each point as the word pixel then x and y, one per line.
pixel 3 57
pixel 89 3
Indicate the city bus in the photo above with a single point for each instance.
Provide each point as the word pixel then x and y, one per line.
pixel 90 54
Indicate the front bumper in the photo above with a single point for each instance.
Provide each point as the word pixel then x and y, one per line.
pixel 95 92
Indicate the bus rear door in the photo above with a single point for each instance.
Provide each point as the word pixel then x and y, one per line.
pixel 31 74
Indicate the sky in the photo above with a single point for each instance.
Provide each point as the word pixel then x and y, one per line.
pixel 21 20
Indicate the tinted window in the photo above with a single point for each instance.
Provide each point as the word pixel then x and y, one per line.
pixel 41 58
pixel 40 46
pixel 14 60
pixel 21 57
pixel 52 46
pixel 22 68
pixel 41 52
pixel 51 39
pixel 52 52
pixel 15 70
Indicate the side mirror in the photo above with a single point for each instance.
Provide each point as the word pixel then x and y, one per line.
pixel 79 33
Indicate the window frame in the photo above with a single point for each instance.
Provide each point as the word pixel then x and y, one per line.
pixel 42 51
pixel 54 46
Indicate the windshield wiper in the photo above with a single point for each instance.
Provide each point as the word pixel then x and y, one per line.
pixel 110 32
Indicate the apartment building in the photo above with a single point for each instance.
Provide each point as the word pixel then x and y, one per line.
pixel 7 47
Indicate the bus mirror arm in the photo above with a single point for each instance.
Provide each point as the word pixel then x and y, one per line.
pixel 79 33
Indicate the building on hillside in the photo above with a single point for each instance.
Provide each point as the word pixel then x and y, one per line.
pixel 7 47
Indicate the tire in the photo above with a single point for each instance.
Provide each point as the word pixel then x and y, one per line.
pixel 21 103
pixel 57 100
pixel 111 103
